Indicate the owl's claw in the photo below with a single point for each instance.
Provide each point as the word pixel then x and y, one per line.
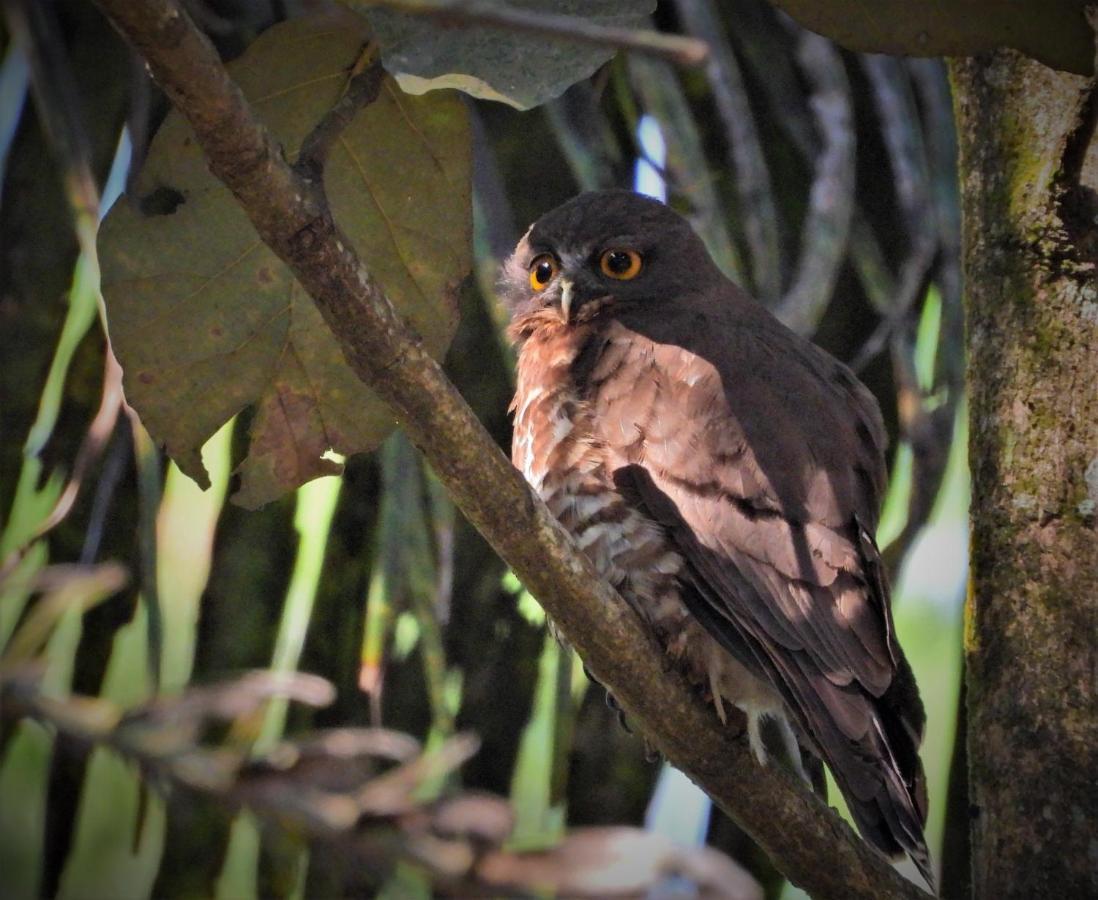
pixel 612 703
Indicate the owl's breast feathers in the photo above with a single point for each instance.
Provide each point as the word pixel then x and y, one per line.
pixel 559 448
pixel 726 476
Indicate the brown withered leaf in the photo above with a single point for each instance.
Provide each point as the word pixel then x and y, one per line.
pixel 207 321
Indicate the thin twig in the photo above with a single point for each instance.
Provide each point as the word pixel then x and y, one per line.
pixel 146 457
pixel 53 84
pixel 907 158
pixel 98 435
pixel 831 200
pixel 900 128
pixel 114 467
pixel 683 51
pixel 928 431
pixel 932 90
pixel 756 208
pixel 687 171
pixel 587 143
pixel 812 845
pixel 139 117
pixel 14 84
pixel 908 287
pixel 764 38
pixel 211 22
pixel 442 521
pixel 362 90
pixel 932 432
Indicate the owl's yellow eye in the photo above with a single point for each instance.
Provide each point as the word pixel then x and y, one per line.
pixel 542 271
pixel 620 264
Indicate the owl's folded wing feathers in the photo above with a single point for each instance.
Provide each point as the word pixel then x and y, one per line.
pixel 762 457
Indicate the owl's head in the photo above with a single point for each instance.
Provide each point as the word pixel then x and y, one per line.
pixel 600 248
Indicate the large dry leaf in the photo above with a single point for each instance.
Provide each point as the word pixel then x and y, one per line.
pixel 204 317
pixel 1054 32
pixel 523 70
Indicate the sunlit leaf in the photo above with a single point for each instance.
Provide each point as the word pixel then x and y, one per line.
pixel 539 817
pixel 119 828
pixel 523 70
pixel 206 320
pixel 25 772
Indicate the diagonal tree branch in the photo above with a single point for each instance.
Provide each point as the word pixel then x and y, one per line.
pixel 807 841
pixel 685 51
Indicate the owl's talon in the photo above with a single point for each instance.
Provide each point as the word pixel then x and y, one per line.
pixel 755 738
pixel 612 703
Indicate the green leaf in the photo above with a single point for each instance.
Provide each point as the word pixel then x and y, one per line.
pixel 204 317
pixel 539 815
pixel 25 762
pixel 523 70
pixel 118 836
pixel 1054 32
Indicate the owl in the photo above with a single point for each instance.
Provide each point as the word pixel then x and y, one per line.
pixel 725 475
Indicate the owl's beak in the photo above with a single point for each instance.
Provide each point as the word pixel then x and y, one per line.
pixel 567 293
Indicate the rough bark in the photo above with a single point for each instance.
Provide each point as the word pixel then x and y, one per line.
pixel 811 845
pixel 1029 175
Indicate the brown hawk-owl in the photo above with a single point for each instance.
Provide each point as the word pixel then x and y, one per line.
pixel 725 475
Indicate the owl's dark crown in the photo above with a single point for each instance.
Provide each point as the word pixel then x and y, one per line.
pixel 577 233
pixel 603 215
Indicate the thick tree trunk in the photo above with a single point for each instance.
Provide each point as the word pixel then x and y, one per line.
pixel 1029 176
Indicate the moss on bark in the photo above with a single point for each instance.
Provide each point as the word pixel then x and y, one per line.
pixel 1029 175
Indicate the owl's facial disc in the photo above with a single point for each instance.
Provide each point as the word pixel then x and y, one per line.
pixel 568 281
pixel 603 249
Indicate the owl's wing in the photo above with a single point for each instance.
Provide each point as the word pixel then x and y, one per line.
pixel 762 457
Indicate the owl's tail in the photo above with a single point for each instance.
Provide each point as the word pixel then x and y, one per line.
pixel 890 810
pixel 871 746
